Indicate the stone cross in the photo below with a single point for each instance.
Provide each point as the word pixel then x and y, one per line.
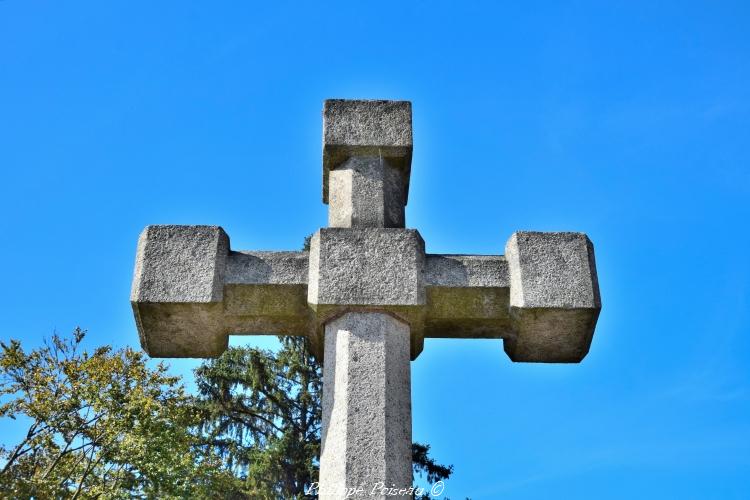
pixel 366 295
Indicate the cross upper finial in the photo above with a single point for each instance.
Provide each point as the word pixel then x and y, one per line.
pixel 367 148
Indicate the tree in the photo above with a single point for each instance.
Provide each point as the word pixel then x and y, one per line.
pixel 105 425
pixel 100 425
pixel 262 414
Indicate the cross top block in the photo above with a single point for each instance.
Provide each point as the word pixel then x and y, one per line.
pixel 367 148
pixel 365 128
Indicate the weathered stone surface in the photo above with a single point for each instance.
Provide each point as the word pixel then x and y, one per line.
pixel 366 267
pixel 380 129
pixel 462 271
pixel 554 296
pixel 180 264
pixel 266 292
pixel 178 288
pixel 262 268
pixel 467 296
pixel 366 435
pixel 367 191
pixel 181 330
pixel 189 291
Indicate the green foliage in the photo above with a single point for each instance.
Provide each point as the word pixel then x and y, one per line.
pixel 105 425
pixel 100 425
pixel 426 466
pixel 262 413
pixel 306 243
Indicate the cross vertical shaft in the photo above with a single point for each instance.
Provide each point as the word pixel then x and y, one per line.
pixel 366 438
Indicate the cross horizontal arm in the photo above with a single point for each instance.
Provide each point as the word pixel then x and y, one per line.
pixel 467 296
pixel 190 291
pixel 541 297
pixel 266 292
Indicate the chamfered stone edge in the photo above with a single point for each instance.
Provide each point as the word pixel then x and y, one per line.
pixel 554 296
pixel 378 128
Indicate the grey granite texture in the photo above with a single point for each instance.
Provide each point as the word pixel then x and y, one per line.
pixel 554 296
pixel 366 128
pixel 467 296
pixel 366 433
pixel 266 292
pixel 190 291
pixel 366 267
pixel 180 264
pixel 177 290
pixel 366 191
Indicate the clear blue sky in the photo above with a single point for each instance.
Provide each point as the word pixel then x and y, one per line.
pixel 628 121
